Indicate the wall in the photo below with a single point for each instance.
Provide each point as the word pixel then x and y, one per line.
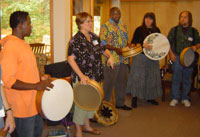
pixel 166 12
pixel 61 28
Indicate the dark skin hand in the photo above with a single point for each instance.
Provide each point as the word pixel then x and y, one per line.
pixel 42 85
pixel 131 45
pixel 117 50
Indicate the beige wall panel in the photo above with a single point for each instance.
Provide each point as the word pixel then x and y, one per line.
pixel 61 28
pixel 166 12
pixel 105 9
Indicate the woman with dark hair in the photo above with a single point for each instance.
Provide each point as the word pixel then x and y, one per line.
pixel 144 80
pixel 84 56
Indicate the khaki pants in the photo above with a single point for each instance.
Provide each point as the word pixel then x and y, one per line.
pixel 81 115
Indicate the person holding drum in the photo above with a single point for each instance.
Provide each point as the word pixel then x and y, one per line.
pixel 114 36
pixel 21 78
pixel 180 37
pixel 144 80
pixel 84 56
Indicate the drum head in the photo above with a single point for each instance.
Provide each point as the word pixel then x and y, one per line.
pixel 87 97
pixel 188 57
pixel 57 102
pixel 160 47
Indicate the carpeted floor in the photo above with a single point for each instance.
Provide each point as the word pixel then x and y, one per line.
pixel 151 121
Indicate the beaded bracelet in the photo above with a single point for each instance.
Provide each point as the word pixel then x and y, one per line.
pixel 8 110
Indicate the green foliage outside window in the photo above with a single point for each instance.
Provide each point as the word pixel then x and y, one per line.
pixel 39 12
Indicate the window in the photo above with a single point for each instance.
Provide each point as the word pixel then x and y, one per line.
pixel 78 7
pixel 39 11
pixel 97 16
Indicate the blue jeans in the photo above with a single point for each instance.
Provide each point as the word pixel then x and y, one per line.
pixel 28 127
pixel 184 74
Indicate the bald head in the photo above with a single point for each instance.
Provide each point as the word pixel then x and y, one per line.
pixel 115 14
pixel 113 9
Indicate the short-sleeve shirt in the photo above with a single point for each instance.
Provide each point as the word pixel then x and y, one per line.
pixel 115 35
pixel 18 63
pixel 183 40
pixel 87 55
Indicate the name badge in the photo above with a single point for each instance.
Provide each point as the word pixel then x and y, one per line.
pixel 190 38
pixel 2 113
pixel 95 42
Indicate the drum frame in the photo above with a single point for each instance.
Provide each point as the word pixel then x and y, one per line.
pixel 40 94
pixel 182 56
pixel 95 85
pixel 101 120
pixel 129 52
pixel 3 133
pixel 39 103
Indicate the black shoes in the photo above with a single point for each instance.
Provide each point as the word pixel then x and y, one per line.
pixel 134 102
pixel 153 102
pixel 124 107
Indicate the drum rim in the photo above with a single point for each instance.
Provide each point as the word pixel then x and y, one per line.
pixel 115 111
pixel 95 85
pixel 131 51
pixel 182 56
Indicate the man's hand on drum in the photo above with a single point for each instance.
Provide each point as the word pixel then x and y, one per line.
pixel 118 51
pixel 44 85
pixel 84 79
pixel 131 45
pixel 147 46
pixel 111 62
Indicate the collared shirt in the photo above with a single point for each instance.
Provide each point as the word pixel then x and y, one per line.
pixel 18 63
pixel 183 39
pixel 115 35
pixel 87 55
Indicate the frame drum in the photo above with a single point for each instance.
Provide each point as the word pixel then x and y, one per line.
pixel 187 57
pixel 160 46
pixel 3 133
pixel 129 52
pixel 106 114
pixel 88 97
pixel 56 103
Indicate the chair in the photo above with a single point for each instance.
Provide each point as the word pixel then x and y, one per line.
pixel 38 48
pixel 41 58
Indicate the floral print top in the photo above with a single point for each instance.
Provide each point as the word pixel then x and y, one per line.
pixel 115 35
pixel 87 56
